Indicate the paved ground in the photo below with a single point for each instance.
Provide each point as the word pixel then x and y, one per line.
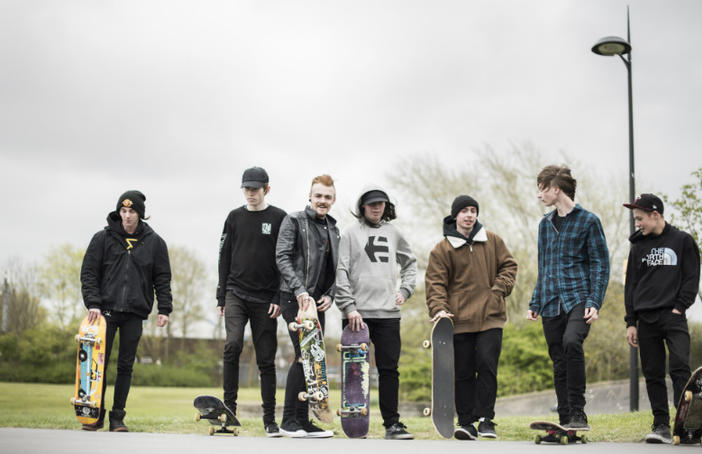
pixel 41 441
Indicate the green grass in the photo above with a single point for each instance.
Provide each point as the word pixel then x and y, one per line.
pixel 170 410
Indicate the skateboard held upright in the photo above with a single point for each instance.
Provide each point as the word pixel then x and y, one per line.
pixel 687 428
pixel 218 414
pixel 555 433
pixel 313 362
pixel 442 377
pixel 90 369
pixel 355 382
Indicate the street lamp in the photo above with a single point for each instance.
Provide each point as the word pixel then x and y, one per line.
pixel 609 47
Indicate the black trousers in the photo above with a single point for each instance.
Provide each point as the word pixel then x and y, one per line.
pixel 237 312
pixel 654 333
pixel 293 408
pixel 385 335
pixel 130 327
pixel 565 334
pixel 475 361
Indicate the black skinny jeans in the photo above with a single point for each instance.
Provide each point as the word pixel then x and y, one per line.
pixel 237 312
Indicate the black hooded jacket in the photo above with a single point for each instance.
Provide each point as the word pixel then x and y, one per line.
pixel 120 272
pixel 663 272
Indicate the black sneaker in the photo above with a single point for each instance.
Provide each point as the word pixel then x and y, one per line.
pixel 272 430
pixel 292 429
pixel 466 432
pixel 578 421
pixel 398 432
pixel 660 434
pixel 316 432
pixel 486 428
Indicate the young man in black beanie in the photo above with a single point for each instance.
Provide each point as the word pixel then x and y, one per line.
pixel 124 265
pixel 662 281
pixel 248 288
pixel 469 274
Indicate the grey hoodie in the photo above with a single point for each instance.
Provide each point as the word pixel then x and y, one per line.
pixel 366 274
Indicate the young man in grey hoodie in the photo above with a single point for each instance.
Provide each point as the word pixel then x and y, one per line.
pixel 367 292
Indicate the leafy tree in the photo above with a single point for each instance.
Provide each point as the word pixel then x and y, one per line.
pixel 21 309
pixel 59 283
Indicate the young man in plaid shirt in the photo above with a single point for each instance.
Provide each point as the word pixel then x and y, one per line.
pixel 570 289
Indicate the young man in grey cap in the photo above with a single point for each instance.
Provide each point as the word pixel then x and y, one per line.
pixel 469 274
pixel 124 265
pixel 370 253
pixel 662 281
pixel 248 289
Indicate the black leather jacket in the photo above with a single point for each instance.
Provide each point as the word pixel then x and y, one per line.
pixel 299 253
pixel 122 275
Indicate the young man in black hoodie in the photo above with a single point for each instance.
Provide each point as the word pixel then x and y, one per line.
pixel 124 265
pixel 247 290
pixel 662 280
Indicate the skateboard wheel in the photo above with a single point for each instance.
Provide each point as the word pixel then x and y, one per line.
pixel 319 395
pixel 77 338
pixel 426 344
pixel 564 439
pixel 338 412
pixel 676 440
pixel 688 396
pixel 583 439
pixel 308 324
pixel 302 395
pixel 338 347
pixel 223 418
pixel 197 417
pixel 426 412
pixel 364 346
pixel 73 400
pixel 364 411
pixel 292 326
pixel 537 439
pixel 211 430
pixel 235 431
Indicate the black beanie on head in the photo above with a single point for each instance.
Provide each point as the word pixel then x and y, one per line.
pixel 133 199
pixel 461 202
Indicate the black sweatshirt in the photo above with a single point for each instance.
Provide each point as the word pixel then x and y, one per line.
pixel 663 272
pixel 247 254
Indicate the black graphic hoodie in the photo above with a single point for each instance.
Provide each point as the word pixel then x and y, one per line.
pixel 120 272
pixel 663 272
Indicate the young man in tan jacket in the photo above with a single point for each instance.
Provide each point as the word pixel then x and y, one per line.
pixel 470 272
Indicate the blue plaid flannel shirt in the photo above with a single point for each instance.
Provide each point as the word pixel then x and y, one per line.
pixel 573 264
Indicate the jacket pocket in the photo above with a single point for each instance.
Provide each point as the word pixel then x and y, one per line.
pixel 496 306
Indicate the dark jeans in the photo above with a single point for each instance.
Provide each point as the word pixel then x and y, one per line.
pixel 565 334
pixel 295 409
pixel 475 361
pixel 237 312
pixel 385 336
pixel 130 327
pixel 671 329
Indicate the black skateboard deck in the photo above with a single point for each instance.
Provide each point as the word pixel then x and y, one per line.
pixel 555 433
pixel 218 414
pixel 442 377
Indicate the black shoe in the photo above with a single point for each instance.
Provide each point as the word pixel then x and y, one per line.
pixel 316 432
pixel 273 431
pixel 466 432
pixel 486 428
pixel 397 432
pixel 660 434
pixel 578 421
pixel 117 421
pixel 292 429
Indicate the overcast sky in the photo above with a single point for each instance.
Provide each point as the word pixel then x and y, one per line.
pixel 177 98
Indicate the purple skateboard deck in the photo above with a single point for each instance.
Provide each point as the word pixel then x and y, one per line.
pixel 355 382
pixel 687 428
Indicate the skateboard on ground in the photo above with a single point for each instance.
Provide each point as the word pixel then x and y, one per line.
pixel 687 428
pixel 218 414
pixel 555 433
pixel 355 382
pixel 442 377
pixel 90 369
pixel 313 362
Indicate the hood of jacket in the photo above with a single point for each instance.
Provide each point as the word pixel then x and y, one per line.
pixel 358 213
pixel 638 236
pixel 457 239
pixel 114 226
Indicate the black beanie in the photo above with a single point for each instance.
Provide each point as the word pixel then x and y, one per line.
pixel 133 199
pixel 461 202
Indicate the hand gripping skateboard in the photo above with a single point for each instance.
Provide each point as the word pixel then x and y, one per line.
pixel 90 369
pixel 687 428
pixel 218 414
pixel 355 382
pixel 442 373
pixel 555 433
pixel 313 362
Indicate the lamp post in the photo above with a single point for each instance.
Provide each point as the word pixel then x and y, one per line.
pixel 609 47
